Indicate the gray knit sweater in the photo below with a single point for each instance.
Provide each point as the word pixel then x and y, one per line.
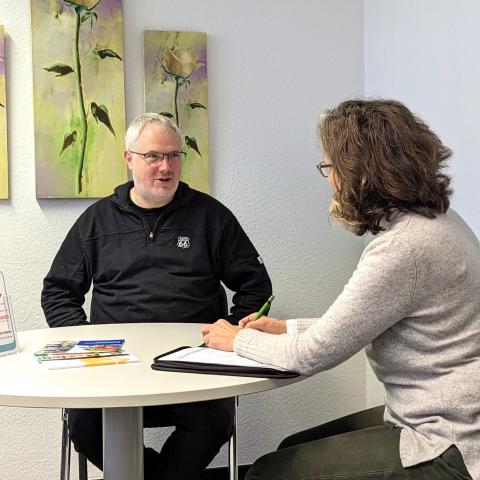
pixel 414 302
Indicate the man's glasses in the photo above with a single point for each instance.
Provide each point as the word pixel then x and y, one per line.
pixel 155 158
pixel 324 168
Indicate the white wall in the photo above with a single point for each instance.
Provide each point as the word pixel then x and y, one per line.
pixel 273 65
pixel 425 53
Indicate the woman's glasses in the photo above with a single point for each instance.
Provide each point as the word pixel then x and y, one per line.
pixel 324 168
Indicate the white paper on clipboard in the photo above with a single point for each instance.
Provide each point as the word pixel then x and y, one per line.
pixel 8 335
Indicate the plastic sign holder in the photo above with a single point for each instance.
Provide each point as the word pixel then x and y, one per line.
pixel 8 334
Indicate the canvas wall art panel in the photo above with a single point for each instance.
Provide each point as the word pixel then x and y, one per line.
pixel 79 98
pixel 3 121
pixel 176 86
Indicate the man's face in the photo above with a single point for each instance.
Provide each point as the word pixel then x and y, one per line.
pixel 154 185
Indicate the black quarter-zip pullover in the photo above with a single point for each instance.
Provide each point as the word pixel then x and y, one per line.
pixel 173 273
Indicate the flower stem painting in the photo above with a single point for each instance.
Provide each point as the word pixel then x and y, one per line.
pixel 176 86
pixel 78 97
pixel 3 122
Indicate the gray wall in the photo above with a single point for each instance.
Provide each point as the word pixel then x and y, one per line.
pixel 425 53
pixel 273 65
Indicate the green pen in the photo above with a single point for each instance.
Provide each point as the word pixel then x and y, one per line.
pixel 265 307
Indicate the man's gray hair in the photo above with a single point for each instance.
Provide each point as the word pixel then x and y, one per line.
pixel 141 121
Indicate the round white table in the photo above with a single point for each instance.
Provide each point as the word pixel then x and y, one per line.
pixel 120 390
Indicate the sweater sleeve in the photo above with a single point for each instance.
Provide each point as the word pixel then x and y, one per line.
pixel 378 295
pixel 66 284
pixel 243 272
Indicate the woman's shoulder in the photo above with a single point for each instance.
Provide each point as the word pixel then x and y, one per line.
pixel 444 236
pixel 442 229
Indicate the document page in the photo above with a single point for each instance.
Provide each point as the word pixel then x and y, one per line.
pixel 210 355
pixel 6 333
pixel 8 341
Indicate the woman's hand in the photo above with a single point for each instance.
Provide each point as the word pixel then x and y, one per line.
pixel 220 335
pixel 264 324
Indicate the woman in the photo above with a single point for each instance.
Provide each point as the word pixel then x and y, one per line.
pixel 413 301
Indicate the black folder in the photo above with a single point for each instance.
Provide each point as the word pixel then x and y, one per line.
pixel 159 363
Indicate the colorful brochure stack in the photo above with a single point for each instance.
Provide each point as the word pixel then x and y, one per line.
pixel 83 353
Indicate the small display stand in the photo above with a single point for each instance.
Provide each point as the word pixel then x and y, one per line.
pixel 8 335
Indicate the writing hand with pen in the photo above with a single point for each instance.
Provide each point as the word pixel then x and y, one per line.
pixel 222 334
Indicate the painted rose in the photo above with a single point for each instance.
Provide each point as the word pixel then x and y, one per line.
pixel 180 62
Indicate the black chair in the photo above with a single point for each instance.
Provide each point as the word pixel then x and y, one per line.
pixel 82 460
pixel 66 451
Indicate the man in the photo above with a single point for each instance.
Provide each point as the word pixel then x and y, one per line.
pixel 156 251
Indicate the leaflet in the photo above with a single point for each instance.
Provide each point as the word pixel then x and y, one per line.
pixel 70 349
pixel 8 338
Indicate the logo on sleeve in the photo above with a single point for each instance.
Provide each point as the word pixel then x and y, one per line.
pixel 183 242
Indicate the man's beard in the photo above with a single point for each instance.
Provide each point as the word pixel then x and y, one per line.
pixel 152 195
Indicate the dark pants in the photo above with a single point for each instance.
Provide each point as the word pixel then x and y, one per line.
pixel 201 429
pixel 356 447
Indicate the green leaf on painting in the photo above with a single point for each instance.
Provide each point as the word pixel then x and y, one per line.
pixel 68 139
pixel 88 16
pixel 193 105
pixel 166 114
pixel 61 69
pixel 191 142
pixel 100 113
pixel 102 53
pixel 107 52
pixel 86 5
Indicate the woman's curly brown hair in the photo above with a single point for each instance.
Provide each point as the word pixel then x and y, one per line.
pixel 385 159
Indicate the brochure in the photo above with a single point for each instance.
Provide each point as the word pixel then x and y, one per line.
pixel 69 349
pixel 83 353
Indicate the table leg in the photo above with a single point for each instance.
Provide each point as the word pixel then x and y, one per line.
pixel 123 443
pixel 232 448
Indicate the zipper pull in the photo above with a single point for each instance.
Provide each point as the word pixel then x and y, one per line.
pixel 150 236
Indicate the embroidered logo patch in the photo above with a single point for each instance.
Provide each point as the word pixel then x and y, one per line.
pixel 183 242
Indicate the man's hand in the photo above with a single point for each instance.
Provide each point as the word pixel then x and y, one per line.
pixel 220 335
pixel 264 324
